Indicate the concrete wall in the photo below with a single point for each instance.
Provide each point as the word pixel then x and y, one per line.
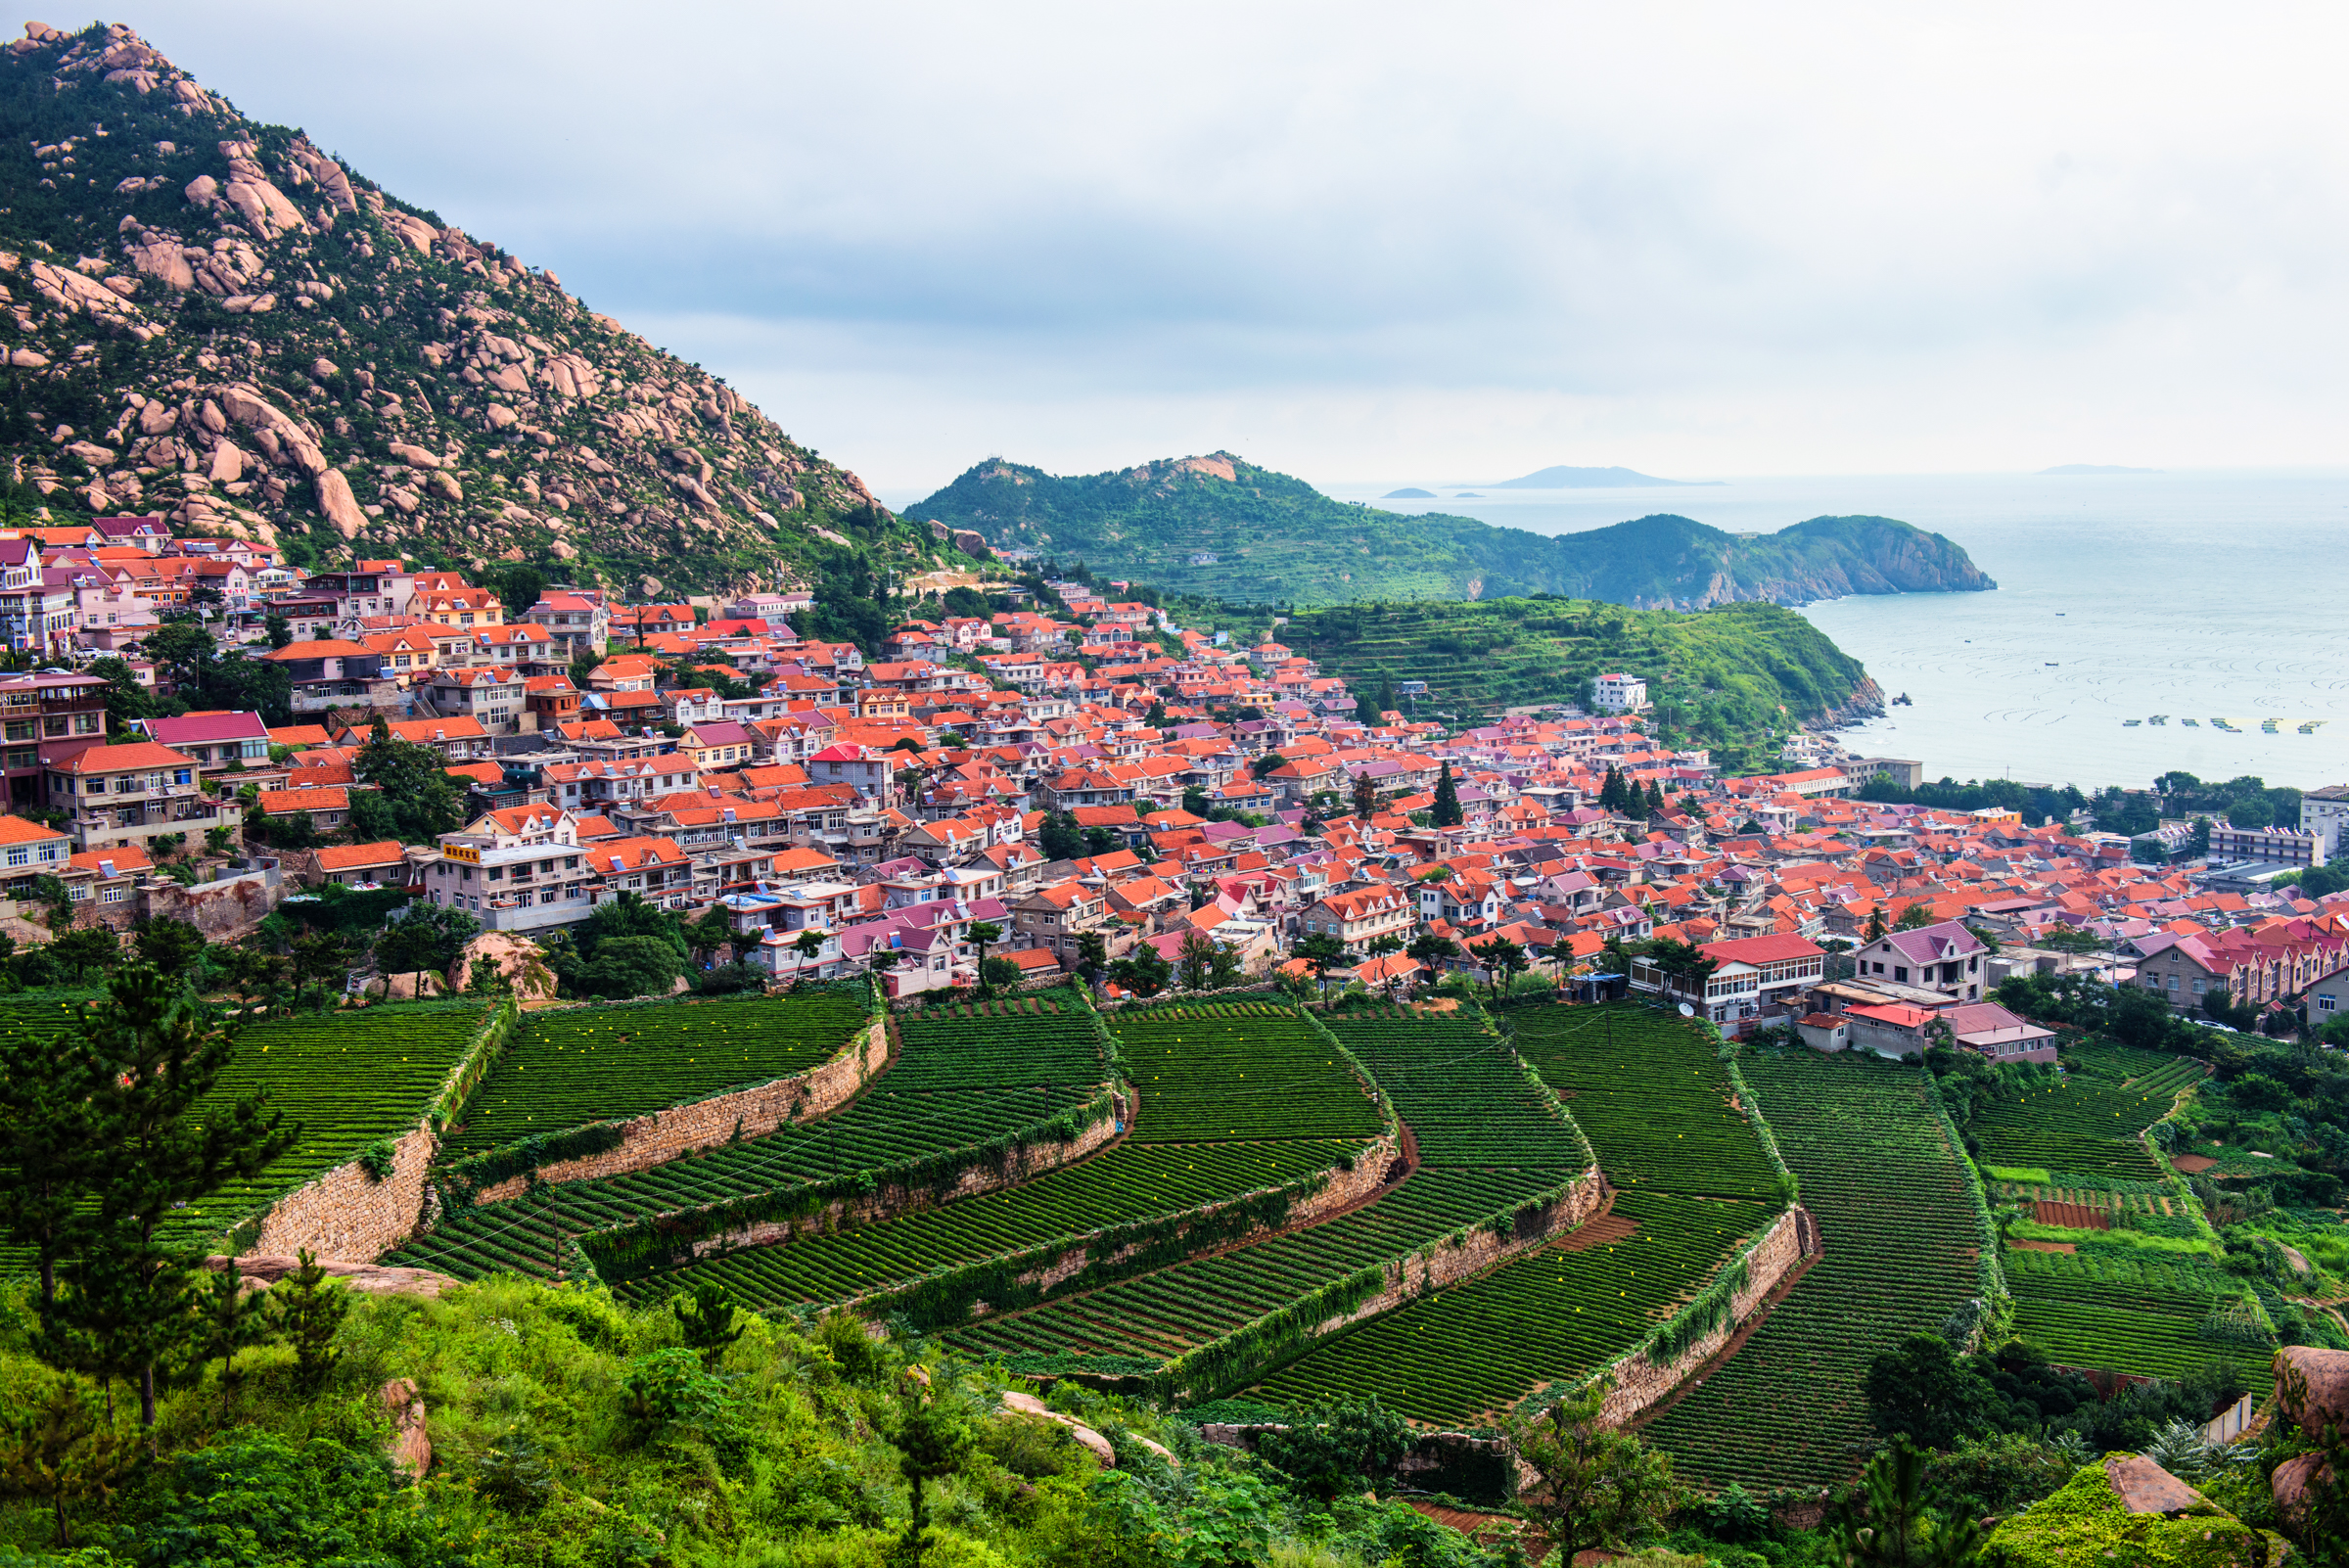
pixel 1641 1381
pixel 663 1136
pixel 346 1213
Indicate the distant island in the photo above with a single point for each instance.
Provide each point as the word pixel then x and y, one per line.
pixel 1409 495
pixel 1219 525
pixel 1563 477
pixel 2096 468
pixel 1467 496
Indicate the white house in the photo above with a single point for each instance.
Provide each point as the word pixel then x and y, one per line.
pixel 1620 693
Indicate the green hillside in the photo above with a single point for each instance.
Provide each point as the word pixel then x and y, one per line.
pixel 1221 526
pixel 1735 678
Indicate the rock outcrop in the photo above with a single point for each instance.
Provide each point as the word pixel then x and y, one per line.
pixel 2129 1512
pixel 519 962
pixel 294 354
pixel 261 1270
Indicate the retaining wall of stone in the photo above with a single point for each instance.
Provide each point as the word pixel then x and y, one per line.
pixel 664 1135
pixel 1641 1381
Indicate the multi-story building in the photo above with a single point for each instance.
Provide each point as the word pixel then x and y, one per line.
pixel 493 697
pixel 1619 693
pixel 1945 957
pixel 2325 815
pixel 330 672
pixel 578 622
pixel 2269 846
pixel 129 795
pixel 521 868
pixel 213 741
pixel 45 719
pixel 1360 917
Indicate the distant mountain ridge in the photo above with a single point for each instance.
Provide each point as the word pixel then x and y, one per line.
pixel 1218 524
pixel 1565 477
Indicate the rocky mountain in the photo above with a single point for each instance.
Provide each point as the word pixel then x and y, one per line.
pixel 1219 525
pixel 213 318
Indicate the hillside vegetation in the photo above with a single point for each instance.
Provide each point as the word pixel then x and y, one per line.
pixel 1733 677
pixel 216 320
pixel 1220 524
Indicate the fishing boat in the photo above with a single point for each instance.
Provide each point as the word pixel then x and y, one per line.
pixel 2191 724
pixel 2267 727
pixel 2158 719
pixel 2130 723
pixel 2309 727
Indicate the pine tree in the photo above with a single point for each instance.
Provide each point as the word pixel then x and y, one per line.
pixel 1386 701
pixel 1365 795
pixel 232 1319
pixel 1446 812
pixel 312 1307
pixel 157 1052
pixel 46 1149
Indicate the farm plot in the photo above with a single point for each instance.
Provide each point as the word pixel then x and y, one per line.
pixel 1452 1081
pixel 1246 1070
pixel 344 1081
pixel 1900 1240
pixel 577 1065
pixel 1162 1314
pixel 946 1089
pixel 1555 1316
pixel 2086 1124
pixel 1137 1179
pixel 2107 1307
pixel 1652 1094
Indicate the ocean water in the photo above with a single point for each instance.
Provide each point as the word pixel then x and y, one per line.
pixel 2195 595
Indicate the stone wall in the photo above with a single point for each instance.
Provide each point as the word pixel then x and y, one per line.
pixel 1641 1383
pixel 663 1136
pixel 1371 1167
pixel 1446 1264
pixel 1025 1164
pixel 349 1215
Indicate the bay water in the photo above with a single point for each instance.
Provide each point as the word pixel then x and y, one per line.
pixel 2192 595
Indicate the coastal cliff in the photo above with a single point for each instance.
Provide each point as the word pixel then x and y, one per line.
pixel 1219 525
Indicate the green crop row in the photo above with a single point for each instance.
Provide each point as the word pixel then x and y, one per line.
pixel 573 1066
pixel 1899 1236
pixel 1205 1075
pixel 1654 1097
pixel 920 1109
pixel 1549 1319
pixel 1452 1080
pixel 2086 1124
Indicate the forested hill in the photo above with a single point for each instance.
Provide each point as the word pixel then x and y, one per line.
pixel 1221 526
pixel 217 320
pixel 1735 678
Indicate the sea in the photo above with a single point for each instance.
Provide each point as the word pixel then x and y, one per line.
pixel 2186 600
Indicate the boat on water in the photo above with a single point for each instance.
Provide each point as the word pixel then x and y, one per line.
pixel 2191 724
pixel 2158 718
pixel 2130 723
pixel 2267 727
pixel 2052 663
pixel 2309 727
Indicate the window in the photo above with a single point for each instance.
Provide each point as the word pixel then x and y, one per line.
pixel 1900 972
pixel 2324 1001
pixel 114 895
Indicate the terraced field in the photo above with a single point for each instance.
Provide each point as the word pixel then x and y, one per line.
pixel 1229 1100
pixel 955 1082
pixel 1557 1317
pixel 1900 1240
pixel 1652 1094
pixel 2108 1311
pixel 2087 1124
pixel 1429 1068
pixel 576 1065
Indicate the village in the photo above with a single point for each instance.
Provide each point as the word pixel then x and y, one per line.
pixel 1003 799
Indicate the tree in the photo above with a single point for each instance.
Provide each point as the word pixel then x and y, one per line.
pixel 1593 1486
pixel 1918 915
pixel 1224 966
pixel 278 629
pixel 84 948
pixel 158 1052
pixel 1446 812
pixel 1876 926
pixel 312 1307
pixel 1890 1527
pixel 1195 959
pixel 1333 1446
pixel 1683 961
pixel 932 1433
pixel 318 956
pixel 372 821
pixel 414 781
pixel 706 1316
pixel 1386 702
pixel 57 1452
pixel 630 966
pixel 1366 795
pixel 1432 949
pixel 231 1319
pixel 1059 838
pixel 1320 951
pixel 172 945
pixel 1092 954
pixel 180 650
pixel 1501 959
pixel 1268 764
pixel 125 699
pixel 47 1148
pixel 1146 972
pixel 2198 841
pixel 1924 1391
pixel 999 974
pixel 984 935
pixel 405 948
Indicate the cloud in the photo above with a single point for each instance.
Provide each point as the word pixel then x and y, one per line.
pixel 1376 239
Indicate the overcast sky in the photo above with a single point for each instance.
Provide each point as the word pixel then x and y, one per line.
pixel 1366 240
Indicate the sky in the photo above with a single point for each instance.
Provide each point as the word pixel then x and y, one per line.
pixel 1369 241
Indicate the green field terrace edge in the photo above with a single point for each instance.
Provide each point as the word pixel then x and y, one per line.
pixel 1997 1301
pixel 239 1236
pixel 944 1298
pixel 460 1181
